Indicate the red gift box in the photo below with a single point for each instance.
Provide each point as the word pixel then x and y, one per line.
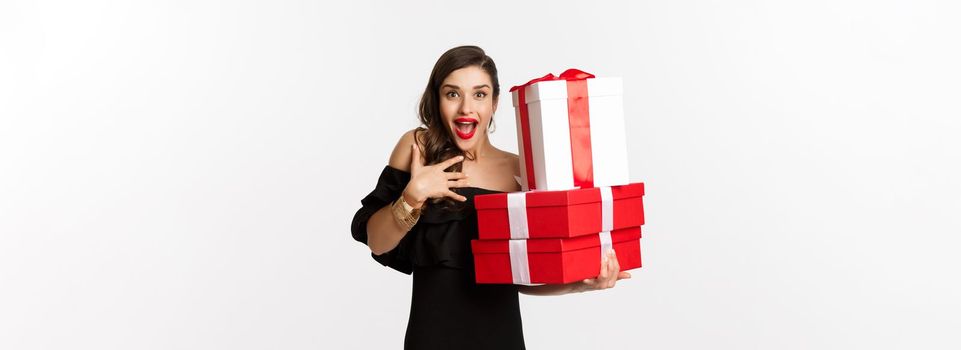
pixel 552 260
pixel 559 214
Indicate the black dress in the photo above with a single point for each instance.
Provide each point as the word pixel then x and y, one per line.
pixel 448 309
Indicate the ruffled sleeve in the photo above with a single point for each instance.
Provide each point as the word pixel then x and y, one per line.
pixel 389 187
pixel 440 238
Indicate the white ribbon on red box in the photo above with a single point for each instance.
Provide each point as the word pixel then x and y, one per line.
pixel 517 218
pixel 607 219
pixel 517 214
pixel 520 270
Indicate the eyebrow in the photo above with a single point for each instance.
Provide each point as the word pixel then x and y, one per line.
pixel 455 87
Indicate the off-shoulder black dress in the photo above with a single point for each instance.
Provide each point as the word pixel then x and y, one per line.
pixel 448 309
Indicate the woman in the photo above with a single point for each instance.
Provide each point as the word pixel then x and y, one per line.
pixel 420 218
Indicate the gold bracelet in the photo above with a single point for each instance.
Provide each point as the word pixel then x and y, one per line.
pixel 405 218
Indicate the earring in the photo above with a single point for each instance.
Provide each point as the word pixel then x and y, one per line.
pixel 491 127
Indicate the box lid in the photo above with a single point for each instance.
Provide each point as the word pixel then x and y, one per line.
pixel 560 198
pixel 557 89
pixel 553 245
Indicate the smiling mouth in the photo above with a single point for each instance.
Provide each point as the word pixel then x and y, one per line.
pixel 465 127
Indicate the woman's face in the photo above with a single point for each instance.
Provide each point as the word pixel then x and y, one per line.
pixel 467 106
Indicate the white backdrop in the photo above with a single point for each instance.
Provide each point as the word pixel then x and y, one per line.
pixel 182 174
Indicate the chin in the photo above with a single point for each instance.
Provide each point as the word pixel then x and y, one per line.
pixel 465 145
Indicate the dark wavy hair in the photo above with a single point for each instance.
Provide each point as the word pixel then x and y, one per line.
pixel 433 132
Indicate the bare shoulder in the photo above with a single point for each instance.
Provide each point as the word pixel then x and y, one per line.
pixel 511 161
pixel 510 164
pixel 401 156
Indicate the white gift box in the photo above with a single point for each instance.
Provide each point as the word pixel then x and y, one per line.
pixel 552 154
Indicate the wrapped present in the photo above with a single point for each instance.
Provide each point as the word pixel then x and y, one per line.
pixel 559 214
pixel 570 132
pixel 553 260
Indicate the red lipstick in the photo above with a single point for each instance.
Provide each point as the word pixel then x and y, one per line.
pixel 465 127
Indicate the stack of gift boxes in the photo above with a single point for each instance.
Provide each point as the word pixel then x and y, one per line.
pixel 577 201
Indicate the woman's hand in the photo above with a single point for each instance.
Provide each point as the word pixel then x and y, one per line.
pixel 610 274
pixel 431 181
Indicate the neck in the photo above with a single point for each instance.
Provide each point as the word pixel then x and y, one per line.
pixel 483 149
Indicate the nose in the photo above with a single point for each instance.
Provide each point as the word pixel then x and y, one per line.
pixel 465 107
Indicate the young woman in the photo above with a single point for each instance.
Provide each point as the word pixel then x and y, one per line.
pixel 420 217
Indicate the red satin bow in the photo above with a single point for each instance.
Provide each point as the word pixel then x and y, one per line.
pixel 570 74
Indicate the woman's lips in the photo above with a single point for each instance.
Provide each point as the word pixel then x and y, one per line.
pixel 465 127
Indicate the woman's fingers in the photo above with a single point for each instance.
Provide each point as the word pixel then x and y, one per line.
pixel 604 262
pixel 615 269
pixel 455 175
pixel 454 195
pixel 609 275
pixel 458 183
pixel 447 163
pixel 607 271
pixel 613 280
pixel 617 265
pixel 415 162
pixel 603 279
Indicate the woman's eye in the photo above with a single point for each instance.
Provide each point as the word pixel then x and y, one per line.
pixel 480 95
pixel 452 94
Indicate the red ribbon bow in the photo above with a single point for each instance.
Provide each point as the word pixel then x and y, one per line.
pixel 570 74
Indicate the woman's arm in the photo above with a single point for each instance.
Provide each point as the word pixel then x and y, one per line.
pixel 553 289
pixel 383 232
pixel 610 274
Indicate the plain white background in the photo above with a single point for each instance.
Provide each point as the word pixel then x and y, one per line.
pixel 182 174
